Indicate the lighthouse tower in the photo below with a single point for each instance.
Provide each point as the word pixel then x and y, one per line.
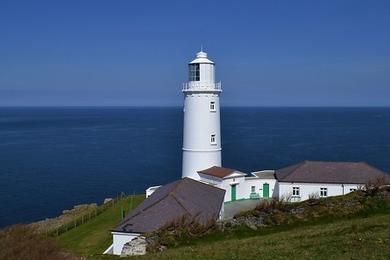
pixel 202 130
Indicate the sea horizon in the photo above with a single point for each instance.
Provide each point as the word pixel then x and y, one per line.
pixel 180 106
pixel 57 157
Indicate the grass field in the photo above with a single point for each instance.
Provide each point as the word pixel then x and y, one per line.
pixel 93 237
pixel 360 238
pixel 349 235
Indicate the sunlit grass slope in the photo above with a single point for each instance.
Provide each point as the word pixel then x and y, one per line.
pixel 360 238
pixel 93 237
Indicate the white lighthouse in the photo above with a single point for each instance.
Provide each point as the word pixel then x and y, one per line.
pixel 202 130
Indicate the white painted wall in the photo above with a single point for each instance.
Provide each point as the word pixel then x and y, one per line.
pixel 120 239
pixel 258 183
pixel 207 73
pixel 200 122
pixel 244 185
pixel 215 181
pixel 227 186
pixel 306 189
pixel 282 190
pixel 276 189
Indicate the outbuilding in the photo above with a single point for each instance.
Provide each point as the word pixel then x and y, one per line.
pixel 184 199
pixel 231 180
pixel 293 183
pixel 262 184
pixel 324 179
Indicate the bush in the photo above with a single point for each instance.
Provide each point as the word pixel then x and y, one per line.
pixel 183 229
pixel 23 242
pixel 269 205
pixel 314 196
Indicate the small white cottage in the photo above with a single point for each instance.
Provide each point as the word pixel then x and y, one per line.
pixel 184 199
pixel 324 179
pixel 293 183
pixel 232 181
pixel 238 185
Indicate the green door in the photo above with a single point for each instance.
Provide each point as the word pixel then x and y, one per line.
pixel 265 190
pixel 234 191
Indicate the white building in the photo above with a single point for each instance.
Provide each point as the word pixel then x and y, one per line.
pixel 293 183
pixel 202 153
pixel 228 179
pixel 205 185
pixel 263 183
pixel 238 185
pixel 201 133
pixel 324 179
pixel 184 199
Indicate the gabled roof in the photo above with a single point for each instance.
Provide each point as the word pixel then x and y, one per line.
pixel 264 174
pixel 220 172
pixel 171 202
pixel 329 172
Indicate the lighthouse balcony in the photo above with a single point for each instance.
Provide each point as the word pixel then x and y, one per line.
pixel 202 87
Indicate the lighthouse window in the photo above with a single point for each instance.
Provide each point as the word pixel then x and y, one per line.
pixel 212 106
pixel 194 72
pixel 213 140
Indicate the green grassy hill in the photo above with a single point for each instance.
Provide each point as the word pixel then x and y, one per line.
pixel 355 226
pixel 352 232
pixel 360 238
pixel 93 237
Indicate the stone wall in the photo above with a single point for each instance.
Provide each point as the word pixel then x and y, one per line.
pixel 137 246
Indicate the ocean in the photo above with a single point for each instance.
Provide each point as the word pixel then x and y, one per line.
pixel 54 158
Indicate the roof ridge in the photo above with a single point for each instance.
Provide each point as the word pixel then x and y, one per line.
pixel 298 165
pixel 172 193
pixel 373 167
pixel 177 185
pixel 332 161
pixel 151 205
pixel 181 205
pixel 143 210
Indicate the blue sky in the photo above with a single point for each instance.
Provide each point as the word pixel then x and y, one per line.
pixel 268 53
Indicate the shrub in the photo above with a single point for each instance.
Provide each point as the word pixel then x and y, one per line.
pixel 23 242
pixel 314 196
pixel 184 229
pixel 373 186
pixel 269 205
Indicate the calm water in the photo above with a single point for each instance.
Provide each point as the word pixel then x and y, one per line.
pixel 54 158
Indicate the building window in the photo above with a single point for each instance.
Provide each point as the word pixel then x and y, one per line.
pixel 352 190
pixel 194 72
pixel 212 106
pixel 296 192
pixel 323 192
pixel 213 140
pixel 253 189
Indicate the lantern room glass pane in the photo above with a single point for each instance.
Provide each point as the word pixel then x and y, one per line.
pixel 194 72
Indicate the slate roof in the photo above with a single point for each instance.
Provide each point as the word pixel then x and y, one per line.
pixel 219 172
pixel 267 174
pixel 329 172
pixel 182 198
